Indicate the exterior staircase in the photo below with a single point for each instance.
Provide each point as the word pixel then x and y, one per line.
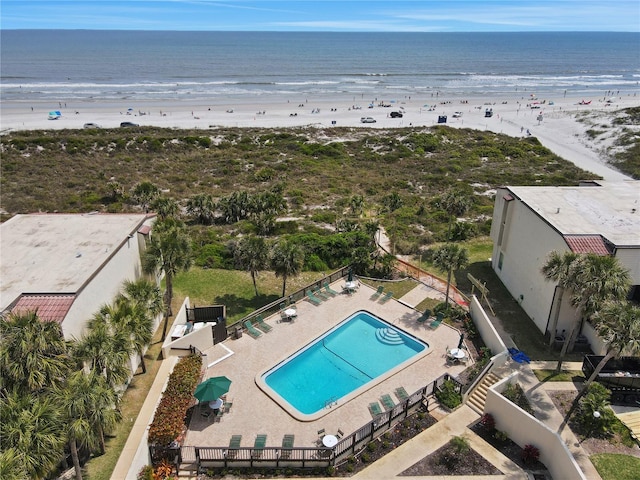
pixel 479 395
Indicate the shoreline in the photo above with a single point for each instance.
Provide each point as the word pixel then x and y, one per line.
pixel 551 120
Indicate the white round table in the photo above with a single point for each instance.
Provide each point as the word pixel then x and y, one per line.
pixel 290 312
pixel 457 353
pixel 329 441
pixel 216 404
pixel 351 286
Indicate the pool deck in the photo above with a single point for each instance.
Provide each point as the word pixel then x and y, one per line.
pixel 254 412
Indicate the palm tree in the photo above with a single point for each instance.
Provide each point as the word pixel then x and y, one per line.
pixel 451 258
pixel 287 260
pixel 595 280
pixel 77 399
pixel 106 349
pixel 144 193
pixel 201 206
pixel 455 204
pixel 251 254
pixel 618 324
pixel 143 302
pixel 165 207
pixel 31 426
pixel 33 353
pixel 169 249
pixel 12 465
pixel 104 415
pixel 558 268
pixel 356 204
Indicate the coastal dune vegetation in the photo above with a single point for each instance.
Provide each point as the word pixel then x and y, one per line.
pixel 325 175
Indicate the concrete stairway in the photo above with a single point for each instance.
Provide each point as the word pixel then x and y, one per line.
pixel 478 396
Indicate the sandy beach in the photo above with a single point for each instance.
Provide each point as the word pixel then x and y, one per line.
pixel 551 120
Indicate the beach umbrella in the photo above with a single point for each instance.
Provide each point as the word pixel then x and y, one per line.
pixel 212 389
pixel 350 276
pixel 461 342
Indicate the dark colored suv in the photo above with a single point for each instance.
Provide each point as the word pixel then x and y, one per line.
pixel 129 124
pixel 395 114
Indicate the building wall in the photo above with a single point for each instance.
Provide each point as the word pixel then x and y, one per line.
pixel 124 265
pixel 630 258
pixel 525 429
pixel 519 254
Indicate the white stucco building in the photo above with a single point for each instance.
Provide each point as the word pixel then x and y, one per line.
pixel 529 222
pixel 67 265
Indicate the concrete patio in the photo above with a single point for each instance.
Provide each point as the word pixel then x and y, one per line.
pixel 254 412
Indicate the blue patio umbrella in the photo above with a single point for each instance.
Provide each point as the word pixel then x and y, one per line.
pixel 212 389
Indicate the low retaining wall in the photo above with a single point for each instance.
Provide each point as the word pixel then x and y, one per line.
pixel 525 429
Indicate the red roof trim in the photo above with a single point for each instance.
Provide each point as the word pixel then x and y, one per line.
pixel 508 197
pixel 587 244
pixel 50 308
pixel 144 230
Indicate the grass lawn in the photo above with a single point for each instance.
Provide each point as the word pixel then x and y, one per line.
pixel 563 376
pixel 398 289
pixel 100 468
pixel 614 466
pixel 235 289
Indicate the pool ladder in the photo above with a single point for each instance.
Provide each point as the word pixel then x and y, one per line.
pixel 330 402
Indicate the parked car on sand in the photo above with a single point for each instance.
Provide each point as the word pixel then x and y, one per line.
pixel 395 114
pixel 129 124
pixel 367 120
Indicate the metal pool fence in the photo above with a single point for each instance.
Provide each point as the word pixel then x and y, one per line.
pixel 199 459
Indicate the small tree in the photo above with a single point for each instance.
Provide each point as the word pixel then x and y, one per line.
pixel 594 415
pixel 287 260
pixel 201 206
pixel 251 254
pixel 450 258
pixel 455 204
pixel 165 207
pixel 618 324
pixel 144 193
pixel 169 250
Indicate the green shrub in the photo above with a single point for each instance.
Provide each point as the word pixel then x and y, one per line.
pixel 448 395
pixel 460 444
pixel 596 400
pixel 500 436
pixel 515 394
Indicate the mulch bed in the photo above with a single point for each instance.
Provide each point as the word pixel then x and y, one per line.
pixel 402 432
pixel 448 461
pixel 509 449
pixel 563 399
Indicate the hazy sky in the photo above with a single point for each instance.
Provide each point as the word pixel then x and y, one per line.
pixel 325 15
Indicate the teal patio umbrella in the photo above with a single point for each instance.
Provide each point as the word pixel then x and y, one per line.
pixel 212 389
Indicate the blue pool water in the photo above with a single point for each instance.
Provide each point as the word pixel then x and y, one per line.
pixel 350 355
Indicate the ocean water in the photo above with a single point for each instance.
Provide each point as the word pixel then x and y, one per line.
pixel 109 65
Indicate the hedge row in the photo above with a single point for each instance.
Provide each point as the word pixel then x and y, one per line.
pixel 169 419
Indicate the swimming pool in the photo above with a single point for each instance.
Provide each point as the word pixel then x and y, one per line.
pixel 352 355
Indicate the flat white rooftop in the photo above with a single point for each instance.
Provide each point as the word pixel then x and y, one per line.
pixel 611 209
pixel 58 253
